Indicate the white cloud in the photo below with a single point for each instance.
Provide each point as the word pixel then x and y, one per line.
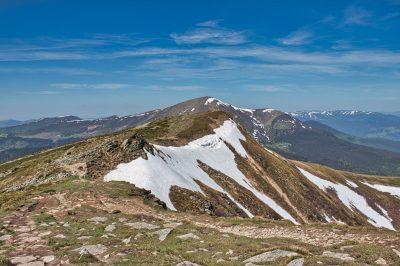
pixel 210 32
pixel 175 88
pixel 354 15
pixel 266 88
pixel 298 37
pixel 209 23
pixel 100 86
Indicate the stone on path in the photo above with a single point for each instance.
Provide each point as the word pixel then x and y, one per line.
pixel 92 249
pixel 142 225
pixel 127 240
pixel 296 262
pixel 172 225
pixel 47 233
pixel 188 236
pixel 98 220
pixel 5 237
pixel 163 233
pixel 33 263
pixel 187 263
pixel 22 259
pixel 381 261
pixel 110 228
pixel 47 259
pixel 341 256
pixel 270 256
pixel 84 237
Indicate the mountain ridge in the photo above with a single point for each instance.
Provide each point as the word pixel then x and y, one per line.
pixel 357 123
pixel 230 173
pixel 272 128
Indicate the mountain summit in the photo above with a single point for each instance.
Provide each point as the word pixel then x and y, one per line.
pixel 271 128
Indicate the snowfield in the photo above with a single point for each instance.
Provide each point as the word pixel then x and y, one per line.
pixel 178 166
pixel 395 191
pixel 352 200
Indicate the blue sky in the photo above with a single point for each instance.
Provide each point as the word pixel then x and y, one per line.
pixel 98 58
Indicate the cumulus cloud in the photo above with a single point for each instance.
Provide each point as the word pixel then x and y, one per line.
pixel 298 37
pixel 210 32
pixel 99 86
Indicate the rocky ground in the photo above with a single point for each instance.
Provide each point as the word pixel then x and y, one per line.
pixel 89 222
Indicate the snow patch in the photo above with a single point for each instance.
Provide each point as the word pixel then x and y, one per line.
pixel 268 110
pixel 395 191
pixel 351 199
pixel 178 166
pixel 210 100
pixel 351 183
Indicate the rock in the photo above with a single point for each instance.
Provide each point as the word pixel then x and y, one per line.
pixel 110 228
pixel 5 237
pixel 172 225
pixel 122 220
pixel 47 259
pixel 216 254
pixel 396 251
pixel 33 263
pixel 163 233
pixel 221 260
pixel 270 256
pixel 92 249
pixel 188 236
pixel 126 240
pixel 84 237
pixel 341 256
pixel 187 263
pixel 98 220
pixel 142 225
pixel 296 262
pixel 60 236
pixel 229 252
pixel 45 234
pixel 381 261
pixel 31 239
pixel 22 259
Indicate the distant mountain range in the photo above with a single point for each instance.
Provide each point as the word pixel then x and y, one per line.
pixel 272 128
pixel 11 122
pixel 357 123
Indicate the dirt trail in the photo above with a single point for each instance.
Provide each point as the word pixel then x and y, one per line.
pixel 310 235
pixel 28 245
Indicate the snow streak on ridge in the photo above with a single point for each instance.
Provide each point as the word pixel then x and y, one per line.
pixel 178 166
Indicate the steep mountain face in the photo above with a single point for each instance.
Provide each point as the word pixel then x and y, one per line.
pixel 297 140
pixel 208 164
pixel 357 123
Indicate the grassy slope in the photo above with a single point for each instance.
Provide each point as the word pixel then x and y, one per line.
pixel 99 199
